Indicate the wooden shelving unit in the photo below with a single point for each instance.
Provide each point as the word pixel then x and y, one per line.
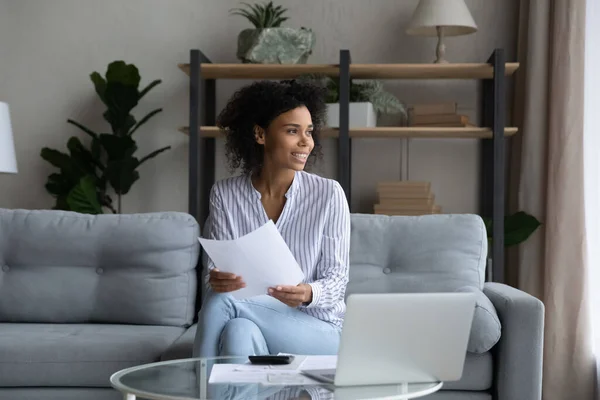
pixel 358 71
pixel 387 132
pixel 261 71
pixel 203 133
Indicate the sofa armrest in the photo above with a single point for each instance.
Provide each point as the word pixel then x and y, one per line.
pixel 519 353
pixel 182 347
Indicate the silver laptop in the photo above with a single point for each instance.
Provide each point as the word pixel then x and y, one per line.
pixel 402 338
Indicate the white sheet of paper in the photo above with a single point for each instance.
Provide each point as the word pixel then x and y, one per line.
pixel 318 362
pixel 232 373
pixel 261 258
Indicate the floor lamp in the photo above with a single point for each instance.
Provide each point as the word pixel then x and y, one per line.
pixel 8 158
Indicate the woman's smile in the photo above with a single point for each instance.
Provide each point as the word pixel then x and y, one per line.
pixel 300 156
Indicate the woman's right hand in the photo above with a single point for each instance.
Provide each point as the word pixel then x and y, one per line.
pixel 223 282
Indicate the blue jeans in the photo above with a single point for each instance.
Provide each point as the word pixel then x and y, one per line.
pixel 260 325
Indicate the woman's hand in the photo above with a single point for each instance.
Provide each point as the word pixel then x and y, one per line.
pixel 293 296
pixel 223 282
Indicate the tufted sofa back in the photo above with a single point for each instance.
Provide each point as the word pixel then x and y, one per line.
pixel 65 267
pixel 432 253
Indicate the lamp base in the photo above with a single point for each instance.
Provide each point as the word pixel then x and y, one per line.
pixel 440 50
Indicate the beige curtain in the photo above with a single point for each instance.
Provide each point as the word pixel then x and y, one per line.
pixel 546 180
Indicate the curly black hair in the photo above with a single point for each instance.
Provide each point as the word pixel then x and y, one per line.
pixel 259 104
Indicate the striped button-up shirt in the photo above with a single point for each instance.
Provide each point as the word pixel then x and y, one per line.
pixel 315 224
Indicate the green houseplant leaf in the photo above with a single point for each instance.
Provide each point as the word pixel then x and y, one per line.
pixel 148 88
pixel 517 228
pixel 120 101
pixel 117 147
pixel 366 91
pixel 122 174
pixel 119 92
pixel 96 148
pixel 58 185
pixel 262 16
pixel 83 128
pixel 73 168
pixel 64 163
pixel 83 197
pixel 250 16
pixel 89 172
pixel 123 73
pixel 153 154
pixel 145 119
pixel 99 85
pixel 82 157
pixel 268 15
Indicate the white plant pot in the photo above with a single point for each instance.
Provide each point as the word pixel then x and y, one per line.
pixel 362 115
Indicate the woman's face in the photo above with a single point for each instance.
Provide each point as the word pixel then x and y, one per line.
pixel 288 141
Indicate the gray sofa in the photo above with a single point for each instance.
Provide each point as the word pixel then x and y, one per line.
pixel 83 296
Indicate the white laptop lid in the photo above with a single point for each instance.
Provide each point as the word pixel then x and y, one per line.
pixel 404 337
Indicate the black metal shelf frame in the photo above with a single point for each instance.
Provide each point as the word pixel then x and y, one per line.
pixel 202 111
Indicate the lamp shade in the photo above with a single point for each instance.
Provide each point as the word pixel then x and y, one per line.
pixel 8 159
pixel 452 15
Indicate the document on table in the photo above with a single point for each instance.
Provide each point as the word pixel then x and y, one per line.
pixel 261 258
pixel 231 373
pixel 318 362
pixel 272 374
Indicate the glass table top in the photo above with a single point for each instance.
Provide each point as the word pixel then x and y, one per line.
pixel 210 378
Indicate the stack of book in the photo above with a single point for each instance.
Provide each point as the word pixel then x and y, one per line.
pixel 406 198
pixel 440 114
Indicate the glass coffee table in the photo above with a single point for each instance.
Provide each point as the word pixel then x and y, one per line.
pixel 211 378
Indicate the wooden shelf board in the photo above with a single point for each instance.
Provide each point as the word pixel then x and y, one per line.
pixel 261 71
pixel 392 132
pixel 357 71
pixel 427 71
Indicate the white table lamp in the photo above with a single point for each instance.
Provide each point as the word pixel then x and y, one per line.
pixel 441 18
pixel 8 159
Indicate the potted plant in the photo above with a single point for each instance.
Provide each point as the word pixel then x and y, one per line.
pixel 86 175
pixel 268 42
pixel 368 99
pixel 518 227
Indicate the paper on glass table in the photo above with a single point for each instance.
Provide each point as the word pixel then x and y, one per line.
pixel 261 258
pixel 318 362
pixel 272 374
pixel 231 373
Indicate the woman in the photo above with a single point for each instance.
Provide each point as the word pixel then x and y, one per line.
pixel 272 133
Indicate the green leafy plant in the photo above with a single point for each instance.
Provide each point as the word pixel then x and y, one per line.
pixel 366 91
pixel 86 174
pixel 262 16
pixel 517 228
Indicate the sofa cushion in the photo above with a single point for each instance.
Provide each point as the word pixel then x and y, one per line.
pixel 486 328
pixel 65 267
pixel 478 373
pixel 77 355
pixel 431 253
pixel 459 395
pixel 60 394
pixel 183 347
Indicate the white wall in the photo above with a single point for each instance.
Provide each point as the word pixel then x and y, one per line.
pixel 49 48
